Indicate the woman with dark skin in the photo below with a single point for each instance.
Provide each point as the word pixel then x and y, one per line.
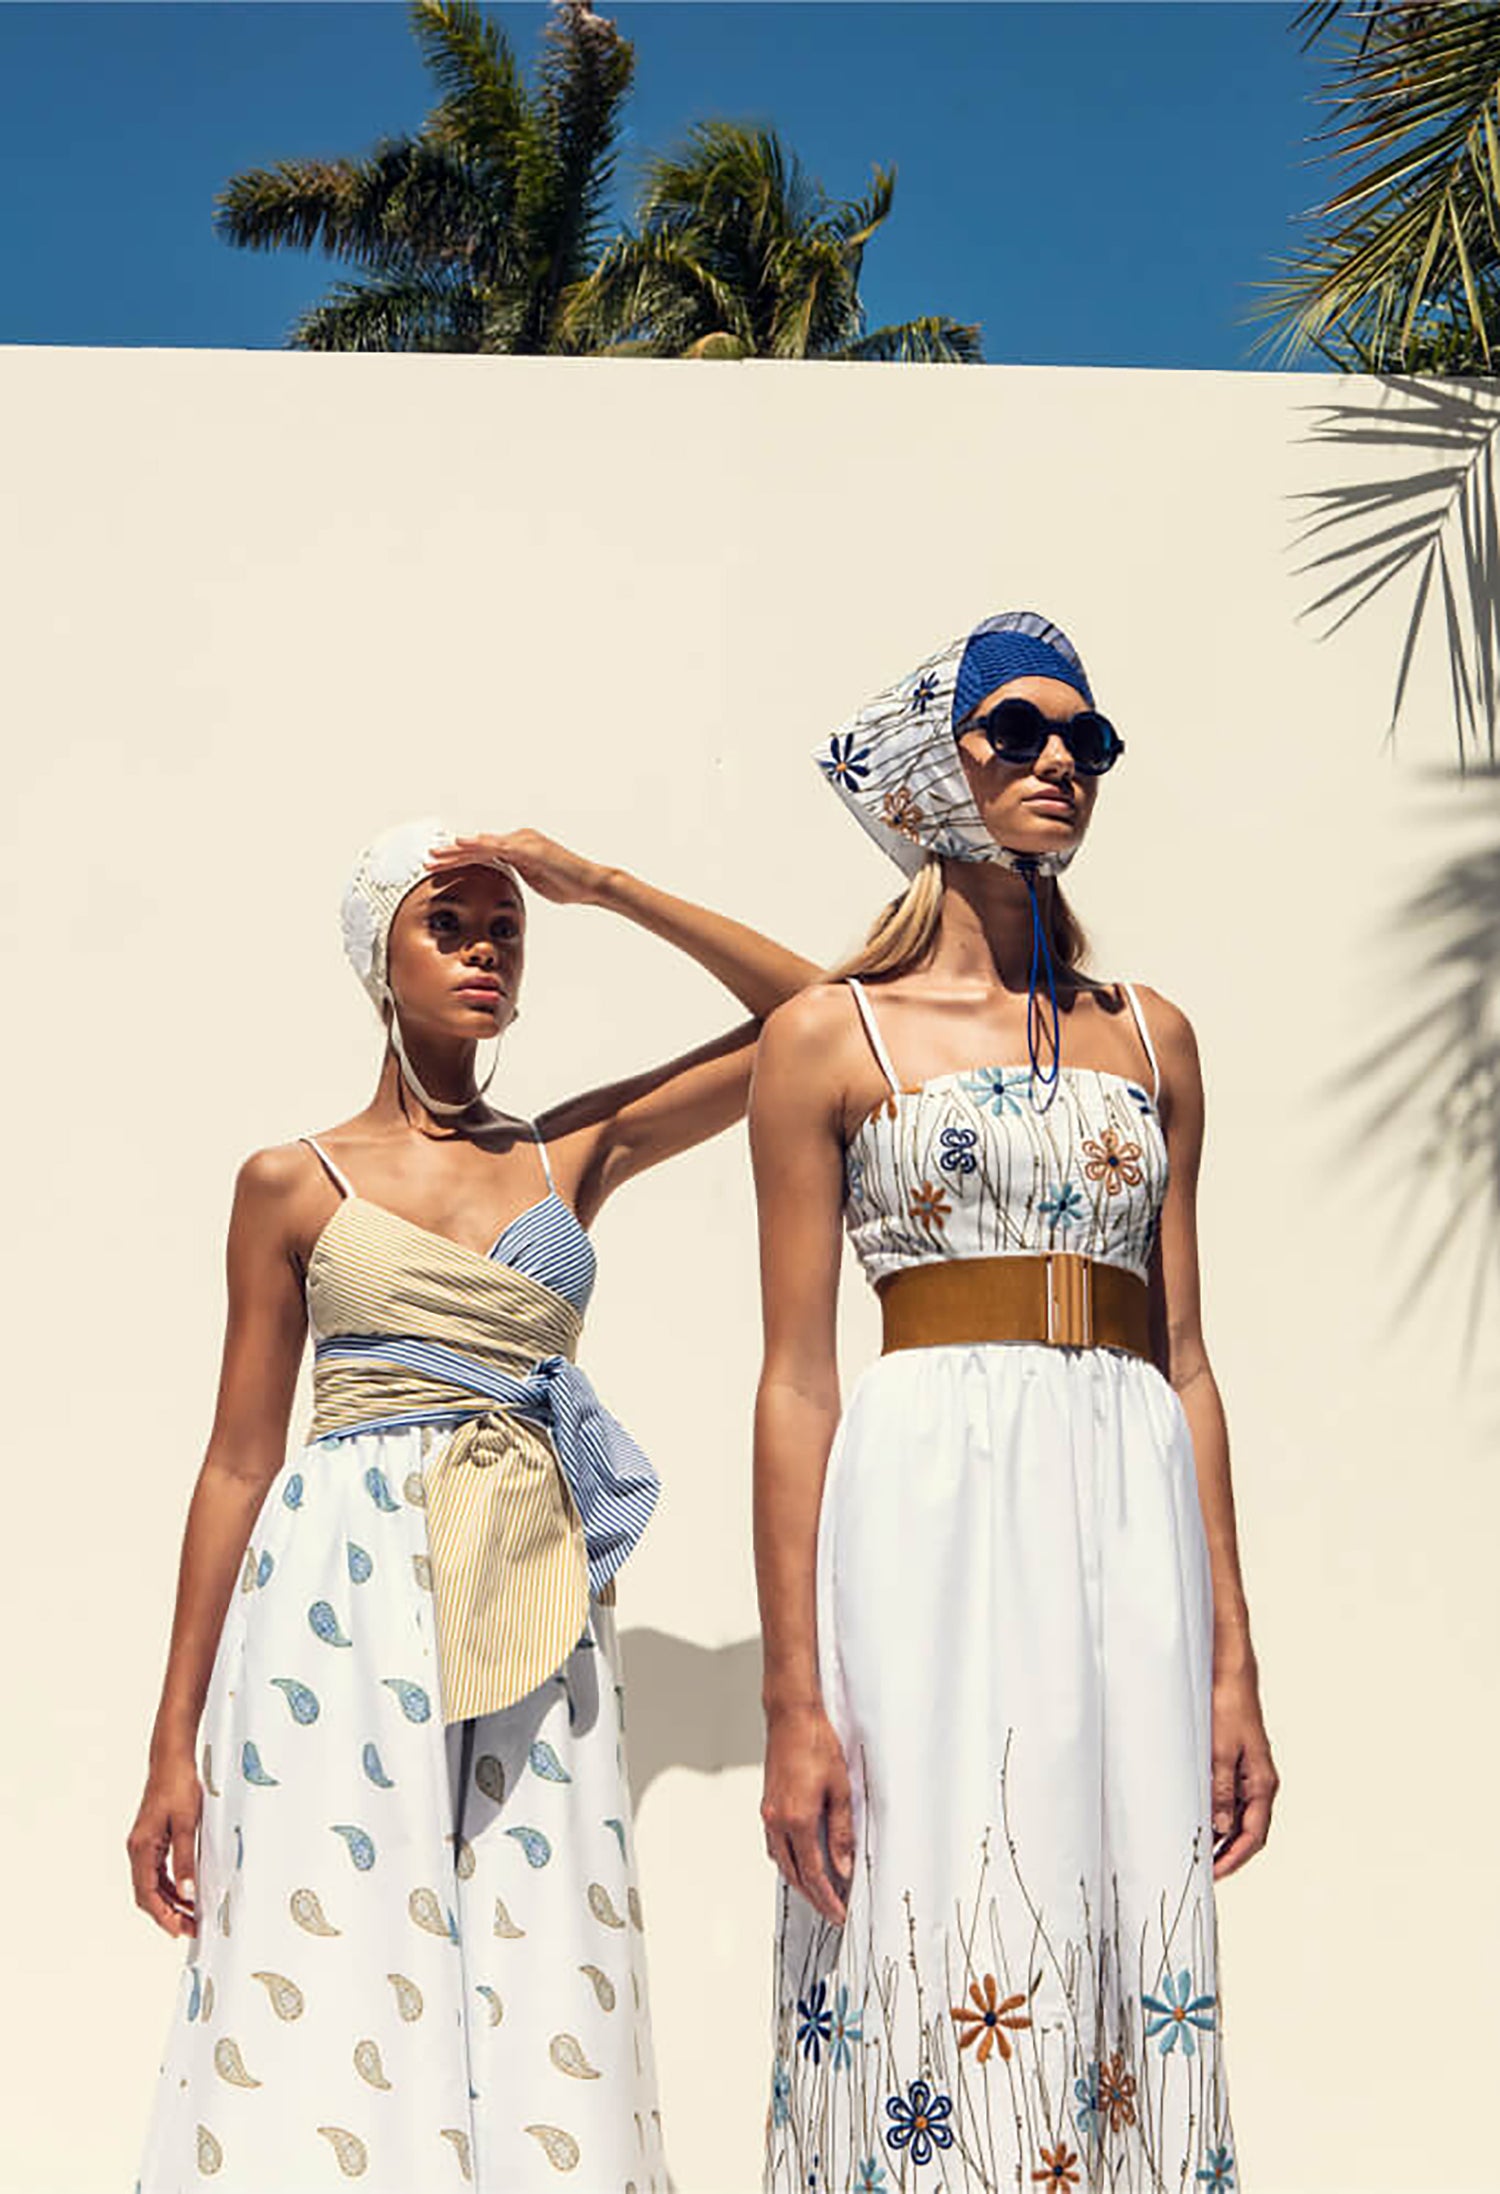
pixel 307 2022
pixel 1013 1720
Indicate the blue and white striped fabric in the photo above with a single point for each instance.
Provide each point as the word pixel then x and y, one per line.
pixel 613 1483
pixel 548 1243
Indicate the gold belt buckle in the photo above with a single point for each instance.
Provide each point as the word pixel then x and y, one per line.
pixel 1070 1299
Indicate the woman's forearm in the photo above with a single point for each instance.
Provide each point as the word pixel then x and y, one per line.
pixel 792 1441
pixel 220 1518
pixel 1204 1411
pixel 757 970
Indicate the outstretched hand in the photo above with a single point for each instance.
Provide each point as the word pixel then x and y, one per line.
pixel 551 870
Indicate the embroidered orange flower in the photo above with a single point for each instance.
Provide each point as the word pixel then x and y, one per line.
pixel 930 1208
pixel 1113 1162
pixel 1117 2092
pixel 902 812
pixel 991 2015
pixel 1058 2166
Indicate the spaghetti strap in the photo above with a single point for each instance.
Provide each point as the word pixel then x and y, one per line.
pixel 1145 1036
pixel 340 1180
pixel 536 1136
pixel 872 1030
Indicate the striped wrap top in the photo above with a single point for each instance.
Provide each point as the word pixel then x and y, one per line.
pixel 536 1495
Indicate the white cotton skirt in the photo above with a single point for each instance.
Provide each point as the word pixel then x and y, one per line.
pixel 419 1961
pixel 1015 1640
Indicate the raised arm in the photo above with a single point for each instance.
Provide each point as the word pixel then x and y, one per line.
pixel 796 1146
pixel 605 1137
pixel 1244 1777
pixel 263 1344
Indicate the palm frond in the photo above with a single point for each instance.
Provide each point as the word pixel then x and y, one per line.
pixel 485 112
pixel 655 293
pixel 406 313
pixel 1406 247
pixel 587 70
pixel 930 341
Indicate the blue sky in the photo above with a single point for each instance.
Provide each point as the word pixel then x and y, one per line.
pixel 1095 184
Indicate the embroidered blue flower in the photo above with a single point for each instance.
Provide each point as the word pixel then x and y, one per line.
pixel 957 1153
pixel 845 763
pixel 1139 1098
pixel 781 2094
pixel 997 1089
pixel 871 2178
pixel 920 2120
pixel 1086 2090
pixel 1063 1205
pixel 1218 2174
pixel 923 693
pixel 1179 2014
pixel 854 1179
pixel 815 2022
pixel 844 2032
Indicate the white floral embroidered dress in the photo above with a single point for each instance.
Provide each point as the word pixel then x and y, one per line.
pixel 1014 1615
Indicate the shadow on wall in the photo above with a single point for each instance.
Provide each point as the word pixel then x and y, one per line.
pixel 689 1705
pixel 1433 1076
pixel 1419 499
pixel 1424 506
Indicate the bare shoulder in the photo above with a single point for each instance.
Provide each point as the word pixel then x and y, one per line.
pixel 1171 1030
pixel 815 1028
pixel 274 1186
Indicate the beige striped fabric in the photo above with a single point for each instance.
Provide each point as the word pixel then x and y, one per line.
pixel 509 1560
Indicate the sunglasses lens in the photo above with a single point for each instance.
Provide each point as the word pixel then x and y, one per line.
pixel 1016 729
pixel 1093 743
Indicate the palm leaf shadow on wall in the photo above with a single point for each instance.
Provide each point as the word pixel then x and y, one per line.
pixel 1426 506
pixel 1433 1077
pixel 688 1705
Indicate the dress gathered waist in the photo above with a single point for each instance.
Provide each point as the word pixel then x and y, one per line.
pixel 533 1502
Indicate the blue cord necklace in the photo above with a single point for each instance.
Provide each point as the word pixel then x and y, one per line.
pixel 1045 1078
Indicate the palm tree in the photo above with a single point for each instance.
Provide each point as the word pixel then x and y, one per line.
pixel 740 254
pixel 1403 273
pixel 468 235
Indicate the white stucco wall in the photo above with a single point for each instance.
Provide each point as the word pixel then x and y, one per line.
pixel 259 606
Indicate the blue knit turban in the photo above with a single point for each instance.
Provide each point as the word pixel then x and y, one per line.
pixel 1002 649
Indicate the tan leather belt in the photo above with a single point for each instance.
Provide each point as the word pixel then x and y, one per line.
pixel 1056 1296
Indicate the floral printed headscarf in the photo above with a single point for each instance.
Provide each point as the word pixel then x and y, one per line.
pixel 895 764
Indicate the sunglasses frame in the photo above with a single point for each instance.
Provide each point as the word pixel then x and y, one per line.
pixel 1114 745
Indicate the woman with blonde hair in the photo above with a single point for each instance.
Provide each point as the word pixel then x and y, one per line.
pixel 386 1801
pixel 1013 1723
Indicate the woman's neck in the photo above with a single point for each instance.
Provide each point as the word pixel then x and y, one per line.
pixel 447 1074
pixel 984 927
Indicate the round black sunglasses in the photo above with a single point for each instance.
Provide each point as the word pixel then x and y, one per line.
pixel 1017 731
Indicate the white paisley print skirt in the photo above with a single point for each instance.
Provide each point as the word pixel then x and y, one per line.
pixel 419 1961
pixel 1015 1644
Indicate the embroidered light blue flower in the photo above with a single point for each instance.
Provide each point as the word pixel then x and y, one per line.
pixel 1086 2090
pixel 957 1153
pixel 920 2121
pixel 1179 2014
pixel 871 2178
pixel 923 692
pixel 781 2094
pixel 815 2022
pixel 996 1089
pixel 845 763
pixel 1063 1205
pixel 854 1179
pixel 1218 2173
pixel 844 2032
